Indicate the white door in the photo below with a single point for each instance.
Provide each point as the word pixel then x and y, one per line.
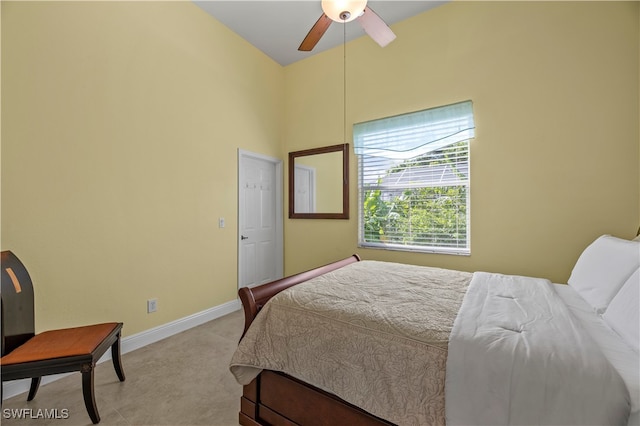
pixel 260 246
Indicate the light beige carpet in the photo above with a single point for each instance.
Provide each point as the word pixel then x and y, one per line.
pixel 181 380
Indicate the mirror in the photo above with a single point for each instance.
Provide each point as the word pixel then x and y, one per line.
pixel 319 183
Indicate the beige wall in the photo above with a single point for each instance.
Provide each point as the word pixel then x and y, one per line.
pixel 121 124
pixel 555 160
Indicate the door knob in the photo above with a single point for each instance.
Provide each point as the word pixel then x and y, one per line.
pixel 242 237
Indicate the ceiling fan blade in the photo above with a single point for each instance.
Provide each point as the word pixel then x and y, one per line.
pixel 315 33
pixel 377 29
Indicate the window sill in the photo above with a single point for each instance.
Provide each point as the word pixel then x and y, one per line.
pixel 416 249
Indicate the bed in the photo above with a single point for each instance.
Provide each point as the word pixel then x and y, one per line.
pixel 365 342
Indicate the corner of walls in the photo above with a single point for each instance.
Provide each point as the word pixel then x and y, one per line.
pixel 120 128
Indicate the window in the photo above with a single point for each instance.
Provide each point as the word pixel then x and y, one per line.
pixel 414 180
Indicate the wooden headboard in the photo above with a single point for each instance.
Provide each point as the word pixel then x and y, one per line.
pixel 254 298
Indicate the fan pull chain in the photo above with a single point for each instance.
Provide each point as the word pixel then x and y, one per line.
pixel 344 82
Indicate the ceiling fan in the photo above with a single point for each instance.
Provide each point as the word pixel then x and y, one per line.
pixel 344 11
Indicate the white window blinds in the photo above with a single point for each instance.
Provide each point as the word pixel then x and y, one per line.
pixel 414 180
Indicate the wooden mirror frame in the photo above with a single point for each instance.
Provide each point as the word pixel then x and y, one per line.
pixel 344 148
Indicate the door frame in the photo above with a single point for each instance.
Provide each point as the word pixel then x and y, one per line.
pixel 279 214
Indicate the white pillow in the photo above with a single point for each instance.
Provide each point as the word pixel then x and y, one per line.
pixel 623 313
pixel 602 268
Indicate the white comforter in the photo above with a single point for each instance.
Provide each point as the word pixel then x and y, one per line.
pixel 517 356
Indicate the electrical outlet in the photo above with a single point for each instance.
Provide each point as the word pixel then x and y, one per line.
pixel 152 305
pixel 221 222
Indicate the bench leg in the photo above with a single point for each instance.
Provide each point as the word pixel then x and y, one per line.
pixel 87 393
pixel 117 361
pixel 35 384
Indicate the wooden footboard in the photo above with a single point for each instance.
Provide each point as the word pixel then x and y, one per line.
pixel 278 399
pixel 275 398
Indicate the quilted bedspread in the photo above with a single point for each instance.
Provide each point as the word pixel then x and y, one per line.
pixel 373 333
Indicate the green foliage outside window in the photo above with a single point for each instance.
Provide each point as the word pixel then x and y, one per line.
pixel 421 216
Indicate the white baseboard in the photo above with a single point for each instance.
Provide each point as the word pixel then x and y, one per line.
pixel 136 341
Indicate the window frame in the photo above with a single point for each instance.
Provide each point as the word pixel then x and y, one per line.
pixel 428 161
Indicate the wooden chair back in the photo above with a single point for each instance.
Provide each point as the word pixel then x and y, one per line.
pixel 17 318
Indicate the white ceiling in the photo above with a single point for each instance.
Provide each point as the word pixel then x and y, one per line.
pixel 278 27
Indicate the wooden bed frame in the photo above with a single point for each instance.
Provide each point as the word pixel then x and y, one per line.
pixel 274 398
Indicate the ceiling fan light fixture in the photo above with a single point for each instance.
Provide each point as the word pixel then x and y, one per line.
pixel 343 10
